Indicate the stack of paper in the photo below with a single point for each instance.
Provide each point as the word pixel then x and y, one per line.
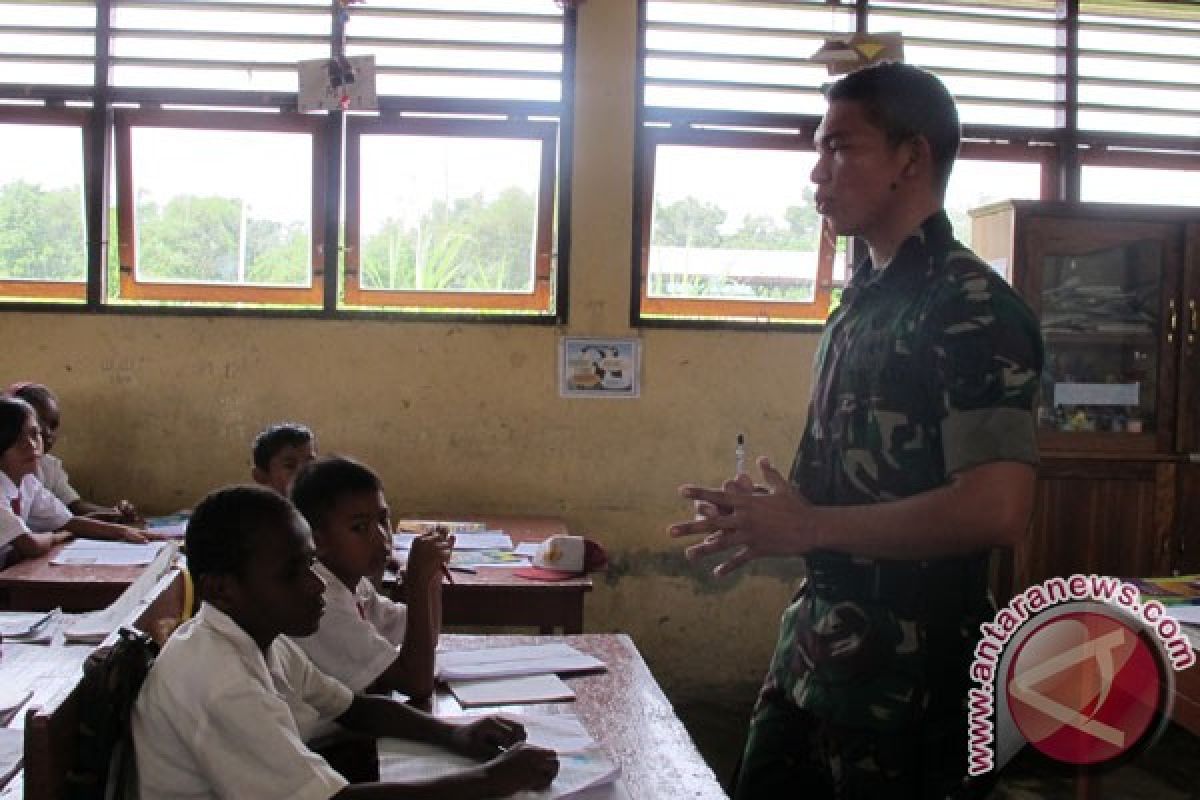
pixel 170 525
pixel 12 752
pixel 31 627
pixel 474 545
pixel 94 627
pixel 102 552
pixel 12 698
pixel 583 765
pixel 511 691
pixel 507 662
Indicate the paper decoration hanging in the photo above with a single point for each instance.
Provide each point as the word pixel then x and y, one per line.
pixel 844 54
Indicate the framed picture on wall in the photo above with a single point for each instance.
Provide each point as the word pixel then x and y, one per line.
pixel 599 367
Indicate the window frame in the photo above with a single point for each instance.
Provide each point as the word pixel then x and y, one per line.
pixel 101 102
pixel 130 289
pixel 539 300
pixel 723 310
pixel 1061 149
pixel 74 292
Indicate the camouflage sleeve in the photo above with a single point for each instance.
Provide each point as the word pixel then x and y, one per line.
pixel 986 350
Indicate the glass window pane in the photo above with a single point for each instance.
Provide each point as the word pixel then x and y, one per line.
pixel 1165 187
pixel 448 213
pixel 41 204
pixel 733 224
pixel 227 207
pixel 978 183
pixel 1100 320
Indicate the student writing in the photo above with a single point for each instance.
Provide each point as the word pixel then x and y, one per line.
pixel 343 502
pixel 229 703
pixel 32 519
pixel 50 470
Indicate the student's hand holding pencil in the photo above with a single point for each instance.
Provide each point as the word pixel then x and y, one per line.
pixel 428 558
pixel 486 737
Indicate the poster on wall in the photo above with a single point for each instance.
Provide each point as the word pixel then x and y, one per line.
pixel 599 367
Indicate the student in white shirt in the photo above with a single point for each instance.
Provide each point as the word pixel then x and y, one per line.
pixel 226 709
pixel 366 641
pixel 279 452
pixel 50 471
pixel 32 519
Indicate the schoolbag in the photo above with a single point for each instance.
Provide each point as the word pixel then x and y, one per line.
pixel 103 767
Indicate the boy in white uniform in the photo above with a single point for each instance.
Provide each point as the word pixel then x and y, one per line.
pixel 229 702
pixel 367 641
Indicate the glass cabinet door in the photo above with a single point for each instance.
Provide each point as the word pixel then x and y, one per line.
pixel 1101 289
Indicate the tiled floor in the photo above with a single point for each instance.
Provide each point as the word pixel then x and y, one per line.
pixel 1170 770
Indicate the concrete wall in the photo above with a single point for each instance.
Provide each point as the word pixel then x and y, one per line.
pixel 468 417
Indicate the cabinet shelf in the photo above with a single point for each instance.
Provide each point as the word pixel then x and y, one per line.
pixel 1099 337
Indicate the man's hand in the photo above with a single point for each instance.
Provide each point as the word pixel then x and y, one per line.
pixel 486 737
pixel 737 517
pixel 428 557
pixel 521 767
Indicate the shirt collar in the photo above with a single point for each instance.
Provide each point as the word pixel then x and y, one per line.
pixel 335 591
pixel 933 235
pixel 219 622
pixel 7 487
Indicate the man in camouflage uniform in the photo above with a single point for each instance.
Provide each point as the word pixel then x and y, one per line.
pixel 917 458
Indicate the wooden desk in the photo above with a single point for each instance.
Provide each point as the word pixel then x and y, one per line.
pixel 37 585
pixel 494 596
pixel 50 728
pixel 624 710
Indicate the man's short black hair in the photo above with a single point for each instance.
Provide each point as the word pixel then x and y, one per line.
pixel 320 484
pixel 904 102
pixel 224 527
pixel 275 438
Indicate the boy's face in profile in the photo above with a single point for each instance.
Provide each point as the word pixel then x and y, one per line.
pixel 284 465
pixel 49 418
pixel 277 590
pixel 355 537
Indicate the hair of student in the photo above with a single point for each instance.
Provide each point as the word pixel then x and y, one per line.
pixel 320 484
pixel 904 102
pixel 14 413
pixel 275 438
pixel 36 394
pixel 222 530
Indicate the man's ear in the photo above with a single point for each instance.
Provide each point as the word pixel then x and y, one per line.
pixel 260 476
pixel 920 156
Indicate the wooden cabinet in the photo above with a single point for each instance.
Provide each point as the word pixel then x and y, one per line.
pixel 1116 289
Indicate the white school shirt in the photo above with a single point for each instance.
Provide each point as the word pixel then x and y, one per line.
pixel 54 477
pixel 351 646
pixel 215 719
pixel 40 512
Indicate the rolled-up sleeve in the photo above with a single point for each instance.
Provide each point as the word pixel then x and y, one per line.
pixel 987 353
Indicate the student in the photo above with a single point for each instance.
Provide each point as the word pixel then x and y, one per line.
pixel 50 470
pixel 229 703
pixel 279 452
pixel 32 520
pixel 344 504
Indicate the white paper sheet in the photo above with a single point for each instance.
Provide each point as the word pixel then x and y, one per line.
pixel 1185 613
pixel 99 552
pixel 585 770
pixel 483 540
pixel 504 662
pixel 511 691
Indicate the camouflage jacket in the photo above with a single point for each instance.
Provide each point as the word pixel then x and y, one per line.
pixel 926 368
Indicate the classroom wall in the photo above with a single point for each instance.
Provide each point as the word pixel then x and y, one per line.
pixel 467 417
